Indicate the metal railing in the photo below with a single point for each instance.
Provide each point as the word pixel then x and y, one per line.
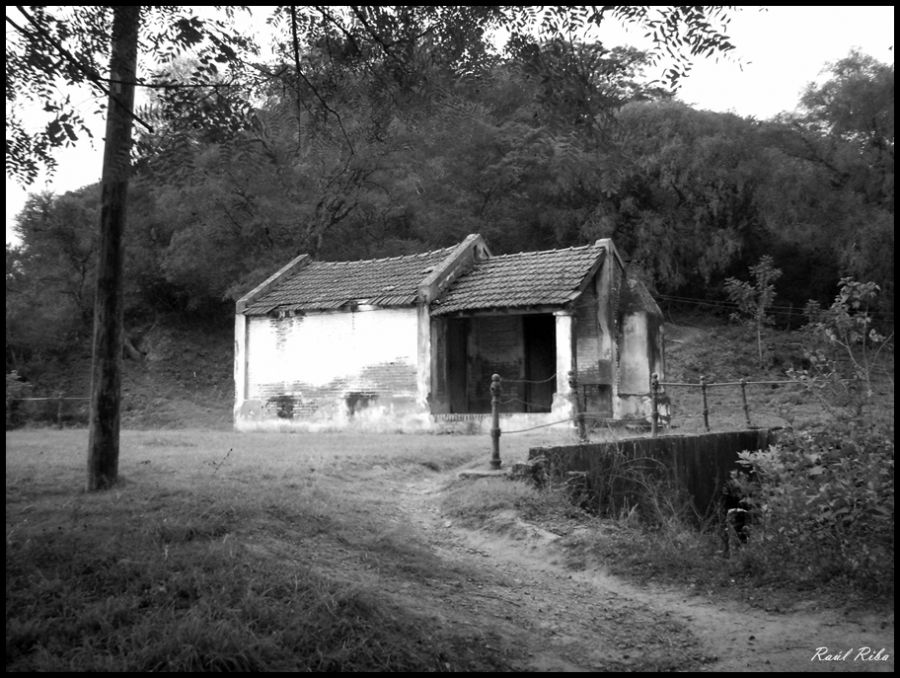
pixel 581 416
pixel 656 388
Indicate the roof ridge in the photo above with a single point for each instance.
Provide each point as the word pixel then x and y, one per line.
pixel 418 255
pixel 560 249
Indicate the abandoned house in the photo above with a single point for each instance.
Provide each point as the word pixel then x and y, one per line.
pixel 411 342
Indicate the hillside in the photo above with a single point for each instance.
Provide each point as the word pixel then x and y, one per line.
pixel 185 379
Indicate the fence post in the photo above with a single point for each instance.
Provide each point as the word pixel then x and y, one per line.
pixel 495 421
pixel 59 409
pixel 654 402
pixel 579 416
pixel 744 398
pixel 705 406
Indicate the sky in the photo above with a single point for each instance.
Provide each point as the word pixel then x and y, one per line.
pixel 778 51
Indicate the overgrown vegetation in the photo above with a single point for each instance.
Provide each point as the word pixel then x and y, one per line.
pixel 823 499
pixel 822 505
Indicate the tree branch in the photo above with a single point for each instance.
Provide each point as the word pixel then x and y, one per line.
pixel 375 36
pixel 328 109
pixel 92 76
pixel 172 85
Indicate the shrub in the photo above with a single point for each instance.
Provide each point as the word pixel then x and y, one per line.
pixel 844 350
pixel 824 505
pixel 753 300
pixel 16 389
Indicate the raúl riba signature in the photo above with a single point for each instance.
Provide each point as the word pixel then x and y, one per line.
pixel 853 654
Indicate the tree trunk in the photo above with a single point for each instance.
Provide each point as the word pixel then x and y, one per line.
pixel 106 379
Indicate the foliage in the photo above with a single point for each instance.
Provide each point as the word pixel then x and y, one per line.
pixel 44 314
pixel 57 50
pixel 35 71
pixel 16 389
pixel 753 299
pixel 845 349
pixel 824 498
pixel 823 505
pixel 856 106
pixel 847 129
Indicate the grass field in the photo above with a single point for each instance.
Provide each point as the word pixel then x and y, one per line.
pixel 222 551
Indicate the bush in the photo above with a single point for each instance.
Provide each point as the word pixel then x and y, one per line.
pixel 824 505
pixel 16 389
pixel 844 351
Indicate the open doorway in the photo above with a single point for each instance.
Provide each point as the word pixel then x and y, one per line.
pixel 520 348
pixel 539 332
pixel 458 364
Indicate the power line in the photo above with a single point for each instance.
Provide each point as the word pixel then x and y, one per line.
pixel 729 304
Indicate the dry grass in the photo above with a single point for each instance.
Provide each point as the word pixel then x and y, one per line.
pixel 221 551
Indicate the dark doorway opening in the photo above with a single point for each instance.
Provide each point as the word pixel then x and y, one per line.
pixel 458 364
pixel 539 333
pixel 521 348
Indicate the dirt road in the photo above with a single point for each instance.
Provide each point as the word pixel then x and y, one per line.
pixel 545 617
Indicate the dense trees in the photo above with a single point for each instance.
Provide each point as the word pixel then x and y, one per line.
pixel 849 131
pixel 693 196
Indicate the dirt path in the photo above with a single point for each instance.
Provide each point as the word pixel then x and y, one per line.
pixel 545 617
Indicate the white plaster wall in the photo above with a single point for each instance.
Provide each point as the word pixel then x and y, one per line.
pixel 633 359
pixel 320 347
pixel 563 406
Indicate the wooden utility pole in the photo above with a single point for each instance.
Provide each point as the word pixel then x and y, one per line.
pixel 106 375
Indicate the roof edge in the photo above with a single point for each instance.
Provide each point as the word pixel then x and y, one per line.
pixel 608 244
pixel 591 272
pixel 294 264
pixel 452 266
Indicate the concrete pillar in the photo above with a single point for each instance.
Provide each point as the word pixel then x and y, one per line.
pixel 240 364
pixel 424 358
pixel 565 363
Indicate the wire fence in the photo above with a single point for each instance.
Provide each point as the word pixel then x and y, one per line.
pixel 57 409
pixel 583 420
pixel 789 317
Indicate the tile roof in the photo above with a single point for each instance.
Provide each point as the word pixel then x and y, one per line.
pixel 323 285
pixel 548 278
